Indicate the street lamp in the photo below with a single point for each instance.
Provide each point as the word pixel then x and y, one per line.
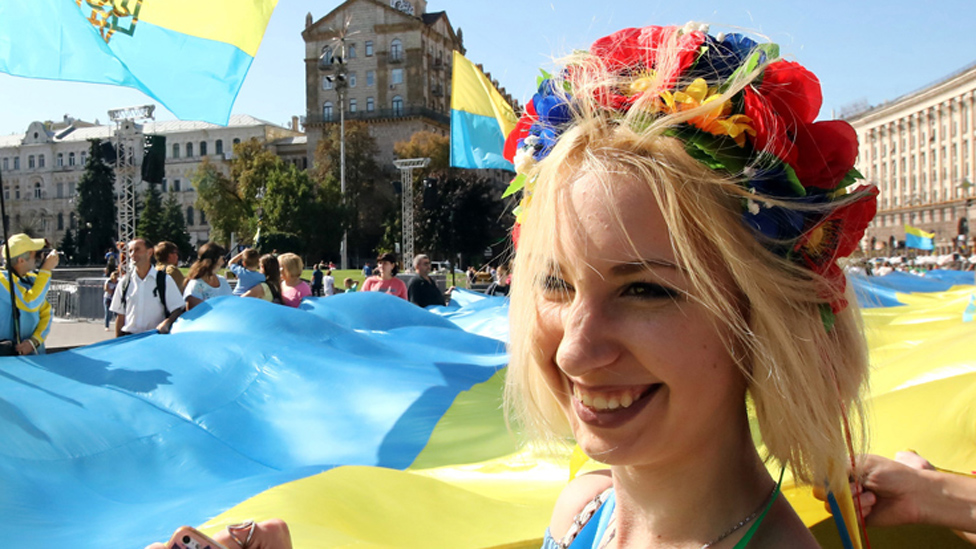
pixel 338 77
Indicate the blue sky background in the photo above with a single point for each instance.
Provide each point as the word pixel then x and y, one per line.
pixel 869 50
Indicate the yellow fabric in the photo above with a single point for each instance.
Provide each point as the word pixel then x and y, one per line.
pixel 472 92
pixel 918 232
pixel 33 296
pixel 240 23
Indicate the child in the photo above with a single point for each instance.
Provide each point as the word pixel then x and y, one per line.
pixel 245 267
pixel 293 288
pixel 349 284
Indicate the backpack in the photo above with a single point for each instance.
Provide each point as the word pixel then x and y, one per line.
pixel 160 290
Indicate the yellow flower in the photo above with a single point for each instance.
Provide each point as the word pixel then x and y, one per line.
pixel 644 82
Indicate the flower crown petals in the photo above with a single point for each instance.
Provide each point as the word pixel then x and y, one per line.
pixel 792 91
pixel 826 152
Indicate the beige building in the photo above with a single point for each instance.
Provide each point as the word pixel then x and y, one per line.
pixel 918 150
pixel 398 70
pixel 41 167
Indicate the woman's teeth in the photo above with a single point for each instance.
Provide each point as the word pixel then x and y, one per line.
pixel 608 400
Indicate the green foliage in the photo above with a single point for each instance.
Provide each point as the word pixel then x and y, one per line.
pixel 150 224
pixel 96 207
pixel 218 196
pixel 173 226
pixel 280 242
pixel 69 247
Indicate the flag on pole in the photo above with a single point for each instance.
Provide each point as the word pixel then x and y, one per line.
pixel 481 119
pixel 919 239
pixel 190 55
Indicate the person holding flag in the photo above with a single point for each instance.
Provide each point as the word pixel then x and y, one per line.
pixel 23 329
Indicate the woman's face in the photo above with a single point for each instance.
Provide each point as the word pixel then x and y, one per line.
pixel 641 372
pixel 385 268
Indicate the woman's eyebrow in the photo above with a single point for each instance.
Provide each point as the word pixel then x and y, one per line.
pixel 631 267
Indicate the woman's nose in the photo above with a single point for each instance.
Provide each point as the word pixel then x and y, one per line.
pixel 587 342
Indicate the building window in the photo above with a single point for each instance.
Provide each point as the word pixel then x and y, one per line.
pixel 72 221
pixel 326 56
pixel 370 105
pixel 60 221
pixel 370 79
pixel 60 190
pixel 71 159
pixel 40 161
pixel 189 215
pixel 219 146
pixel 352 105
pixel 352 79
pixel 351 51
pixel 71 188
pixel 203 148
pixel 17 192
pixel 396 50
pixel 163 185
pixel 84 158
pixel 30 162
pixel 37 190
pixel 397 105
pixel 237 140
pixel 176 150
pixel 203 217
pixel 326 82
pixel 369 48
pixel 176 185
pixel 327 111
pixel 397 76
pixel 189 150
pixel 6 165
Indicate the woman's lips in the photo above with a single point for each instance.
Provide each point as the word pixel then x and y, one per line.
pixel 611 407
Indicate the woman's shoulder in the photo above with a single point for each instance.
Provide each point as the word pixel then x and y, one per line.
pixel 580 491
pixel 782 527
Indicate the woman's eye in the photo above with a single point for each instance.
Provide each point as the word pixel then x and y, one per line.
pixel 649 290
pixel 555 284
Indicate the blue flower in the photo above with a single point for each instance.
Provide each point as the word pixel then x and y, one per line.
pixel 554 114
pixel 720 58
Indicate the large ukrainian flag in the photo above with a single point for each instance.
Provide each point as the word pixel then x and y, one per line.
pixel 190 55
pixel 919 239
pixel 481 119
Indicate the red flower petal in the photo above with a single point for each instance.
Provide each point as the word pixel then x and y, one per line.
pixel 792 91
pixel 771 136
pixel 838 234
pixel 520 131
pixel 826 151
pixel 516 232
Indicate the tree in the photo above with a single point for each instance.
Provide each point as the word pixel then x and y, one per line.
pixel 68 247
pixel 228 211
pixel 96 206
pixel 173 225
pixel 150 224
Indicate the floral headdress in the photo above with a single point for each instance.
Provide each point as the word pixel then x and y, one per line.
pixel 763 133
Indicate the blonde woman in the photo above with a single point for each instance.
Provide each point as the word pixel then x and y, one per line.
pixel 681 219
pixel 293 288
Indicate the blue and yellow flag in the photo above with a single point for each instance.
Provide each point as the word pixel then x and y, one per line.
pixel 190 55
pixel 919 239
pixel 481 119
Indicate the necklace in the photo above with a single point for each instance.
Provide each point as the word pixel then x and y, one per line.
pixel 612 530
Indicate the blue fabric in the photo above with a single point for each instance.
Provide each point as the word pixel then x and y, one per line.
pixel 591 534
pixel 956 278
pixel 195 78
pixel 918 242
pixel 116 444
pixel 477 142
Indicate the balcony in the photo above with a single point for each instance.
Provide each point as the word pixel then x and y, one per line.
pixel 379 114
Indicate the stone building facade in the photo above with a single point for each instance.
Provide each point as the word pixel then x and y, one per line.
pixel 398 63
pixel 918 149
pixel 41 167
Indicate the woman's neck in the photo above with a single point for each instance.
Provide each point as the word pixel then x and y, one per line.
pixel 385 276
pixel 690 501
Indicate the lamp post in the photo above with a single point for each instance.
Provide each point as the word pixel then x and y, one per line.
pixel 336 66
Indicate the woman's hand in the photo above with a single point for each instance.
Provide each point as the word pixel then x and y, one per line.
pixel 269 534
pixel 890 491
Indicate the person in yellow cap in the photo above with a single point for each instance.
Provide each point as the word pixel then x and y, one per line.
pixel 30 291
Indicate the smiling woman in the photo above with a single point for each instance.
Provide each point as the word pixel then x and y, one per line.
pixel 681 219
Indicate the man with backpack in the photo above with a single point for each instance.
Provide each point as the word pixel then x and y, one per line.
pixel 145 298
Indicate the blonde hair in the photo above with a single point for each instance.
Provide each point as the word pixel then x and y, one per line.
pixel 804 380
pixel 292 264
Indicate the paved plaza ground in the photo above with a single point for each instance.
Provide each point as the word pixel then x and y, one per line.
pixel 66 334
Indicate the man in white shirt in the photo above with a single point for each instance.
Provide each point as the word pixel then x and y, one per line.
pixel 137 299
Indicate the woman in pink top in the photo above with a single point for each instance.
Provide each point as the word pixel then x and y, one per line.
pixel 386 281
pixel 293 288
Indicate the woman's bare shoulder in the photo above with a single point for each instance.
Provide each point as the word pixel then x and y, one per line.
pixel 574 497
pixel 783 528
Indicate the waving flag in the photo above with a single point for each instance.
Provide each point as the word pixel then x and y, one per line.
pixel 190 55
pixel 480 119
pixel 919 239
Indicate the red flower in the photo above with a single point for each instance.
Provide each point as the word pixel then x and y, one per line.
pixel 516 232
pixel 826 151
pixel 637 49
pixel 521 131
pixel 771 136
pixel 837 236
pixel 792 91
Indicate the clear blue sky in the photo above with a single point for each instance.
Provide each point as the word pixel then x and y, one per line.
pixel 862 50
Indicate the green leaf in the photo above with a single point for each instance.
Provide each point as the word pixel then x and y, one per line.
pixel 849 179
pixel 798 187
pixel 515 186
pixel 827 317
pixel 772 53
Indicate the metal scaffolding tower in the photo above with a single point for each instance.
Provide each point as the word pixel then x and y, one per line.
pixel 406 168
pixel 129 149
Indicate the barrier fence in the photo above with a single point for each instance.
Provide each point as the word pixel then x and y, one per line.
pixel 79 299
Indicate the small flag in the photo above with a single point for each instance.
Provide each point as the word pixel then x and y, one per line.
pixel 190 55
pixel 481 119
pixel 919 239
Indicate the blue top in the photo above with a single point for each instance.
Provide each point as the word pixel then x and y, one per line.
pixel 591 534
pixel 246 279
